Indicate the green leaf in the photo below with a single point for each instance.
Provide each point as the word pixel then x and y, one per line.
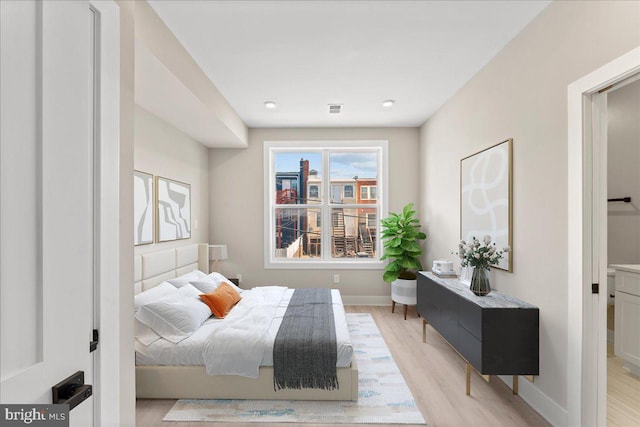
pixel 390 276
pixel 393 251
pixel 410 233
pixel 408 209
pixel 393 266
pixel 414 254
pixel 406 262
pixel 410 245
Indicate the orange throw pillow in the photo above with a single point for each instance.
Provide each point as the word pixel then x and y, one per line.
pixel 222 300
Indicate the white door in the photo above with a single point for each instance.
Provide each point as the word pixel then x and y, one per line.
pixel 336 194
pixel 45 201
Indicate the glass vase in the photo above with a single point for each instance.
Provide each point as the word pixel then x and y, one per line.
pixel 480 281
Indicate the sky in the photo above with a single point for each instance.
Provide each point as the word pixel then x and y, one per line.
pixel 342 165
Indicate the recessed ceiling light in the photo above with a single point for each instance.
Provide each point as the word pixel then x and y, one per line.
pixel 388 103
pixel 270 105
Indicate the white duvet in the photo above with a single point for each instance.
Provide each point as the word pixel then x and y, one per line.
pixel 243 341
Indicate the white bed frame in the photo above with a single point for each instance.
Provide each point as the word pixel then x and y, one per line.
pixel 192 382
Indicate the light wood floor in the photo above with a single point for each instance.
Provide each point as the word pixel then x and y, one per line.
pixel 623 393
pixel 434 372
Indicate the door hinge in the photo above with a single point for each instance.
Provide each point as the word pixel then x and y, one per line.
pixel 93 344
pixel 595 288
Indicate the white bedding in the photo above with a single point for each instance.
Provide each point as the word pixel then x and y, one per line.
pixel 190 351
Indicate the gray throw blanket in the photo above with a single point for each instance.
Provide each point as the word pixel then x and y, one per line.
pixel 305 350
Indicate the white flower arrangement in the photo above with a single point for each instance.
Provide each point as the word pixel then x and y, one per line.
pixel 479 253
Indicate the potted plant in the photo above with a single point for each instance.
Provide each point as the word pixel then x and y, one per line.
pixel 400 235
pixel 480 255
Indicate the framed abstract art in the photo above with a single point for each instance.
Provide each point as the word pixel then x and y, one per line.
pixel 142 208
pixel 174 210
pixel 486 182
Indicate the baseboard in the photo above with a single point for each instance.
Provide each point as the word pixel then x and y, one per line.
pixel 366 300
pixel 540 402
pixel 631 368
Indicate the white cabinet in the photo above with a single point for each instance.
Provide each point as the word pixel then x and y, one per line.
pixel 627 321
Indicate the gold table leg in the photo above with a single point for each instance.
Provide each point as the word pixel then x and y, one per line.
pixel 424 330
pixel 468 379
pixel 515 385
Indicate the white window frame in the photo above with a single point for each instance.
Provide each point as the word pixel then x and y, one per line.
pixel 270 148
pixel 368 188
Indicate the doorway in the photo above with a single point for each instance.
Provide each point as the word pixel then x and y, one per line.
pixel 622 142
pixel 587 245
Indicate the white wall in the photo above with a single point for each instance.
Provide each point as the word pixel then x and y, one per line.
pixel 236 183
pixel 162 150
pixel 522 94
pixel 623 137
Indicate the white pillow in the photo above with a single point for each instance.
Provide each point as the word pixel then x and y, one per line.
pixel 188 290
pixel 186 278
pixel 164 289
pixel 145 334
pixel 174 319
pixel 219 278
pixel 205 285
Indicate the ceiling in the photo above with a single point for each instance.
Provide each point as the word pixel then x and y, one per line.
pixel 304 55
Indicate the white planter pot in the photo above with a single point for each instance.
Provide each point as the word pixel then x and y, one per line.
pixel 404 291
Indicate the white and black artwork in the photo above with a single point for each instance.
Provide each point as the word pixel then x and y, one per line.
pixel 485 198
pixel 142 208
pixel 174 210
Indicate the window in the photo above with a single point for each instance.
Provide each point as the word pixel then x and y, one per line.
pixel 371 220
pixel 313 192
pixel 368 192
pixel 312 216
pixel 348 191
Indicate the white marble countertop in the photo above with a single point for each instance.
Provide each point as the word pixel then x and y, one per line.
pixel 493 300
pixel 633 268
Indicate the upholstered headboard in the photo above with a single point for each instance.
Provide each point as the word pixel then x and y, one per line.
pixel 153 268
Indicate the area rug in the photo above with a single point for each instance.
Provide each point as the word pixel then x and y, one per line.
pixel 383 398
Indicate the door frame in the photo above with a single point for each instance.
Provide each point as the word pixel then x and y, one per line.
pixel 107 153
pixel 586 381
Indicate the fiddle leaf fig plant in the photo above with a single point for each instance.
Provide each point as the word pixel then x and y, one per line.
pixel 400 234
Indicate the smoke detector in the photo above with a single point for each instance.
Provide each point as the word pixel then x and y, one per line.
pixel 335 108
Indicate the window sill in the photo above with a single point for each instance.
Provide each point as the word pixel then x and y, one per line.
pixel 324 265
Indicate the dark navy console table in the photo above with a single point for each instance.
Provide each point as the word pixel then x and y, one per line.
pixel 495 334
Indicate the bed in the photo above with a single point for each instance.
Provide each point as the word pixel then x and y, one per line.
pixel 164 371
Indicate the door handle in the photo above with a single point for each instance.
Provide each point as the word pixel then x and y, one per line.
pixel 71 391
